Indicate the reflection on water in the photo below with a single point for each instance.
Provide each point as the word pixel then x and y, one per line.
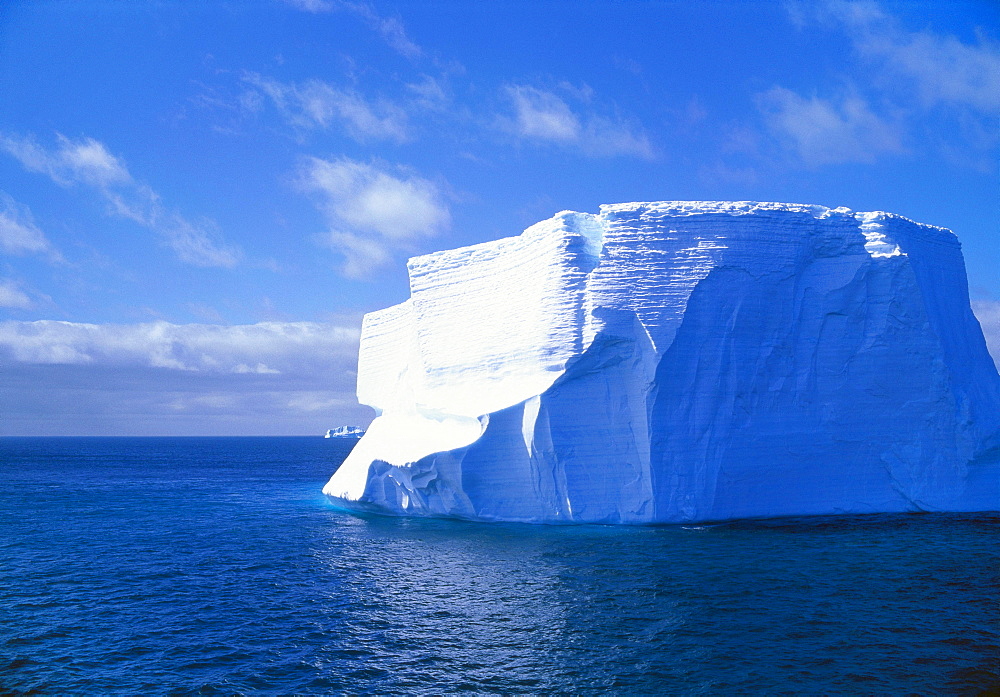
pixel 820 604
pixel 496 606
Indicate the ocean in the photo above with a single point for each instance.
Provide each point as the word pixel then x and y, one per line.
pixel 216 566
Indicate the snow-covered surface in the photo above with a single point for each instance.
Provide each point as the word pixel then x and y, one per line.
pixel 681 361
pixel 345 432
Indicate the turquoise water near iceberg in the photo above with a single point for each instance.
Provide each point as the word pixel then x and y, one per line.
pixel 215 565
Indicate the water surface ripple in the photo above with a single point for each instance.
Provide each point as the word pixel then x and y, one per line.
pixel 214 565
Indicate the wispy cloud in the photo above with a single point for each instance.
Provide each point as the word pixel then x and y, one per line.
pixel 85 161
pixel 317 104
pixel 198 243
pixel 88 162
pixel 822 131
pixel 391 29
pixel 264 348
pixel 312 5
pixel 428 93
pixel 18 233
pixel 942 69
pixel 12 296
pixel 544 116
pixel 988 313
pixel 910 76
pixel 373 209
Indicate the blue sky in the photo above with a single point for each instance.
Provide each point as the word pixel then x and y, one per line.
pixel 199 201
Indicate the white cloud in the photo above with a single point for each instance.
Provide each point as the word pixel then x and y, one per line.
pixel 259 369
pixel 543 115
pixel 373 209
pixel 823 131
pixel 137 202
pixel 18 232
pixel 988 313
pixel 264 348
pixel 429 93
pixel 391 29
pixel 12 296
pixel 540 115
pixel 369 198
pixel 88 162
pixel 311 5
pixel 943 69
pixel 606 138
pixel 361 254
pixel 316 104
pixel 199 244
pixel 911 76
pixel 85 161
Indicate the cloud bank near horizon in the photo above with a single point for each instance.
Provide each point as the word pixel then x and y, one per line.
pixel 159 378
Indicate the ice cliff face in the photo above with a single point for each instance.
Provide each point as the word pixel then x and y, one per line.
pixel 681 361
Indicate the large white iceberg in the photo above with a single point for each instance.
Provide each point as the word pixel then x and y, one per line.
pixel 681 361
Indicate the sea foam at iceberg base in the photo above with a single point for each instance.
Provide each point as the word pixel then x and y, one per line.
pixel 681 361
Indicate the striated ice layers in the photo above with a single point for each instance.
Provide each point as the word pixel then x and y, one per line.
pixel 681 361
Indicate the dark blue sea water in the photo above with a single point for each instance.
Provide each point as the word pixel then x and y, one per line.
pixel 214 565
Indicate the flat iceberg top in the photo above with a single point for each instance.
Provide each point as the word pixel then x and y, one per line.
pixel 685 208
pixel 652 210
pixel 679 361
pixel 681 208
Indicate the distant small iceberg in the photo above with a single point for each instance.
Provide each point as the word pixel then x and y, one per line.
pixel 345 432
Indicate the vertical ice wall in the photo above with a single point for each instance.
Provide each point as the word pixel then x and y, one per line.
pixel 681 361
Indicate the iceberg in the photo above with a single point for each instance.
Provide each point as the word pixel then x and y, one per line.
pixel 344 432
pixel 680 362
